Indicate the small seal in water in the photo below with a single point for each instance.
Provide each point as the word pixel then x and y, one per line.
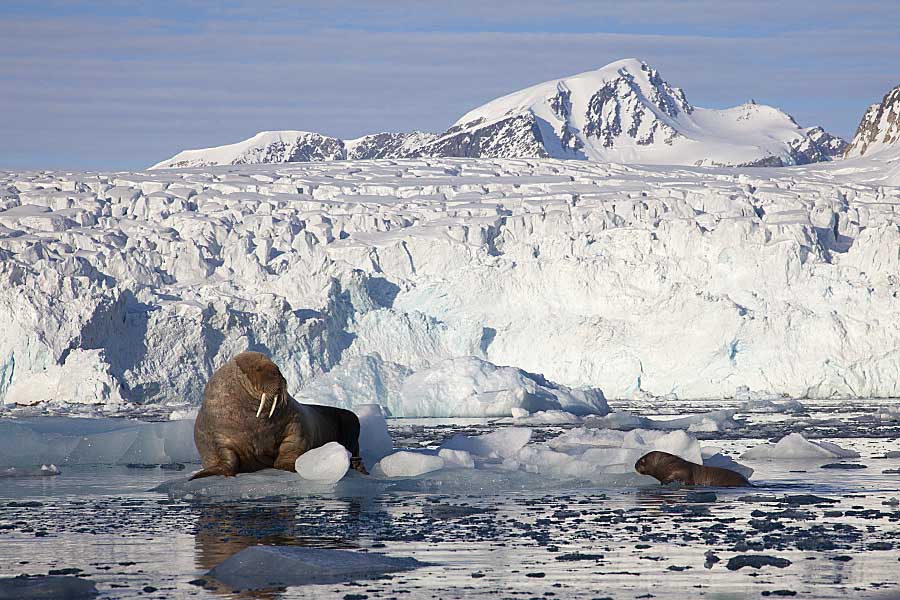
pixel 668 468
pixel 248 422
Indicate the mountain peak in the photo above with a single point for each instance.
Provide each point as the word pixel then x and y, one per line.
pixel 879 129
pixel 622 112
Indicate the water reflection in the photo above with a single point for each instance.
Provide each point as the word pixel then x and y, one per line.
pixel 223 530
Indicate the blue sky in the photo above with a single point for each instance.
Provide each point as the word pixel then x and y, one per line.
pixel 117 85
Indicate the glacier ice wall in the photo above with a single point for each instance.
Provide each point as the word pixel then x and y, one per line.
pixel 361 278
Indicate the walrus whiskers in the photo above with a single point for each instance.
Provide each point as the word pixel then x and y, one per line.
pixel 262 402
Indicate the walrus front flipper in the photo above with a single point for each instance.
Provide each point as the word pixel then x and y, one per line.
pixel 211 472
pixel 226 468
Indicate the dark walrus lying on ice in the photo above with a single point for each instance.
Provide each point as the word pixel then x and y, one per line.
pixel 249 422
pixel 668 468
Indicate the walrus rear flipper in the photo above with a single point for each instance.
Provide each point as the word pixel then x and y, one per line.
pixel 356 463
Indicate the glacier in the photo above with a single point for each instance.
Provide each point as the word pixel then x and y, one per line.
pixel 449 287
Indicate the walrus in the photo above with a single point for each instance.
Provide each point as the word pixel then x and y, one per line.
pixel 668 468
pixel 248 422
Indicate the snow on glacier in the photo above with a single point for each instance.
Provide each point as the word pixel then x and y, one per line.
pixel 451 286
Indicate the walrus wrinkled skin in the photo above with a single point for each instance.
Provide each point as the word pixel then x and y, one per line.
pixel 248 422
pixel 668 468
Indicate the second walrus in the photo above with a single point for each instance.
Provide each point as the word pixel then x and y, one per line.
pixel 668 468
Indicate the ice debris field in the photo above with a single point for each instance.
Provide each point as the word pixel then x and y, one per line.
pixel 513 334
pixel 450 287
pixel 465 508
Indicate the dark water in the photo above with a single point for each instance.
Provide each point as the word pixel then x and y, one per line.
pixel 564 542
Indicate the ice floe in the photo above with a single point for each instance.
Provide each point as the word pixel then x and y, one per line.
pixel 795 446
pixel 260 567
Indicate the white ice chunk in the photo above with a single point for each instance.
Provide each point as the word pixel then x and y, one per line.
pixel 543 417
pixel 457 458
pixel 374 438
pixel 764 405
pixel 795 446
pixel 410 464
pixel 504 443
pixel 719 420
pixel 325 464
pixel 714 457
pixel 456 387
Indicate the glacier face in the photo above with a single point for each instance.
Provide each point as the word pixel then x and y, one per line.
pixel 408 282
pixel 623 112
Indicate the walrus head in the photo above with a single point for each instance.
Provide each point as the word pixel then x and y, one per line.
pixel 659 464
pixel 261 379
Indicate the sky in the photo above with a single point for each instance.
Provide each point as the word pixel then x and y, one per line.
pixel 111 84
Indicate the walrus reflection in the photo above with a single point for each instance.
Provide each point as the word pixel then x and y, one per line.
pixel 249 422
pixel 668 468
pixel 223 530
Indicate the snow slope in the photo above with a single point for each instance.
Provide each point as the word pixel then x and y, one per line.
pixel 623 112
pixel 409 282
pixel 879 129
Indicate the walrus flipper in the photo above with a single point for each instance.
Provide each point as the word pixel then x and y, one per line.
pixel 226 468
pixel 211 472
pixel 356 463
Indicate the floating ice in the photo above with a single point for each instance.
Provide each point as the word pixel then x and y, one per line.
pixel 713 457
pixel 62 441
pixel 521 416
pixel 325 464
pixel 638 441
pixel 279 566
pixel 795 446
pixel 457 458
pixel 765 405
pixel 410 464
pixel 33 587
pixel 720 420
pixel 45 471
pixel 504 443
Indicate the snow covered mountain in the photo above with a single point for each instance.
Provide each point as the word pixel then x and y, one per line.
pixel 879 130
pixel 275 147
pixel 624 112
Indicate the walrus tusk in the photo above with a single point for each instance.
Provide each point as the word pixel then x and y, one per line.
pixel 274 404
pixel 262 402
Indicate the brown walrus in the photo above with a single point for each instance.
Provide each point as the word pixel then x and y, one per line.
pixel 248 422
pixel 668 468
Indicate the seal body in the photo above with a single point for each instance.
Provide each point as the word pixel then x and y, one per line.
pixel 668 468
pixel 248 422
